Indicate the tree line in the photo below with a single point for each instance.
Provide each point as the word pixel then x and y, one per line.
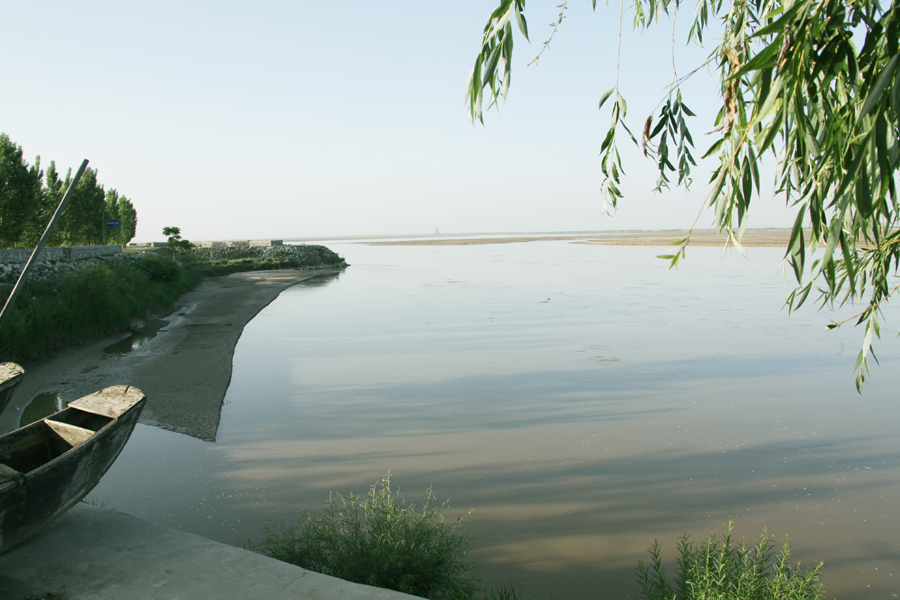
pixel 29 197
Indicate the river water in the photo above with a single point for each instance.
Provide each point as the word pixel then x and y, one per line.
pixel 584 400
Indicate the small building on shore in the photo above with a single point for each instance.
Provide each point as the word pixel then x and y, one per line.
pixel 242 244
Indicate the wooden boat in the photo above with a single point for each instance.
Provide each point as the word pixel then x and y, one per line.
pixel 10 376
pixel 50 465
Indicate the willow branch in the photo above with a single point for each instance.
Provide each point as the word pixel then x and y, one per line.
pixel 559 19
pixel 868 309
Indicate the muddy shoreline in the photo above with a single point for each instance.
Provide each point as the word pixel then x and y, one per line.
pixel 184 371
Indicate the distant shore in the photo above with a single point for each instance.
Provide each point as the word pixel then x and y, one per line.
pixel 752 237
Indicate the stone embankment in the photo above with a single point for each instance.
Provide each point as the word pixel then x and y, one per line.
pixel 54 261
pixel 311 256
pixel 21 255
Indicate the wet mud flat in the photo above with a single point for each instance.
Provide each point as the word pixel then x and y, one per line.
pixel 186 369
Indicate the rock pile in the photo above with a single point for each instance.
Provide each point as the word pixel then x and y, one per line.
pixel 296 257
pixel 316 257
pixel 52 269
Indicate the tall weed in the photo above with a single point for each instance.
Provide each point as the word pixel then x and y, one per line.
pixel 382 541
pixel 101 298
pixel 726 570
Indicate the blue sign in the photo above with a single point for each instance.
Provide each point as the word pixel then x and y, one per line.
pixel 112 223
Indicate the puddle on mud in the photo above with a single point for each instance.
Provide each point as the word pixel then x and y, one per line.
pixel 136 339
pixel 42 405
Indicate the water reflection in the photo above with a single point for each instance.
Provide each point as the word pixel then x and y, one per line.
pixel 137 339
pixel 41 406
pixel 321 280
pixel 638 403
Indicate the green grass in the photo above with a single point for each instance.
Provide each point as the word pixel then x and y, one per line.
pixel 725 570
pixel 99 299
pixel 382 541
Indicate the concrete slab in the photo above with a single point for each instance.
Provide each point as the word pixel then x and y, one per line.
pixel 93 553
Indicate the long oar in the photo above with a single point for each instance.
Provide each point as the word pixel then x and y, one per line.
pixel 7 308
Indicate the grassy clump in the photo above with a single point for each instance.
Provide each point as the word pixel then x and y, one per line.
pixel 725 570
pixel 381 541
pixel 100 298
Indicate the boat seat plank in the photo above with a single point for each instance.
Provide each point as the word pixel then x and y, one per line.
pixel 73 434
pixel 10 373
pixel 7 473
pixel 111 402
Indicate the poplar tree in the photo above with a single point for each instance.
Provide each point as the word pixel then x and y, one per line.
pixel 120 208
pixel 53 191
pixel 81 223
pixel 127 220
pixel 20 192
pixel 29 198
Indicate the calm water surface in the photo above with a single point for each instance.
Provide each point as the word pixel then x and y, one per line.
pixel 582 399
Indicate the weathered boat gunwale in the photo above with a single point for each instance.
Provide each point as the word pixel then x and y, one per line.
pixel 10 378
pixel 39 493
pixel 41 434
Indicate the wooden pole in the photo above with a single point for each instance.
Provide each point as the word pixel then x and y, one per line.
pixel 40 246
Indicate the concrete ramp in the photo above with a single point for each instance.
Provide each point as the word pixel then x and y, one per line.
pixel 95 553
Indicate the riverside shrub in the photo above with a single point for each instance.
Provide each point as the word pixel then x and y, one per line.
pixel 100 298
pixel 160 268
pixel 382 541
pixel 725 570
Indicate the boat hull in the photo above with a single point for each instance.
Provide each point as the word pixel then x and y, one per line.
pixel 10 377
pixel 40 495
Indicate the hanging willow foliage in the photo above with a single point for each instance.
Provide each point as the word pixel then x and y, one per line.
pixel 792 83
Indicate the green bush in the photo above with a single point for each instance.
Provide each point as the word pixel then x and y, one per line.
pixel 160 268
pixel 380 541
pixel 98 299
pixel 728 571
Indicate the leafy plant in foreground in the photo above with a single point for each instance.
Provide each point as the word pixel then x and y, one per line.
pixel 728 571
pixel 382 541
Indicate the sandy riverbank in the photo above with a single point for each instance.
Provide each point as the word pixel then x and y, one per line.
pixel 753 237
pixel 184 371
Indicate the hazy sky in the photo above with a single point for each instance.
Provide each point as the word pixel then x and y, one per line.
pixel 239 120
